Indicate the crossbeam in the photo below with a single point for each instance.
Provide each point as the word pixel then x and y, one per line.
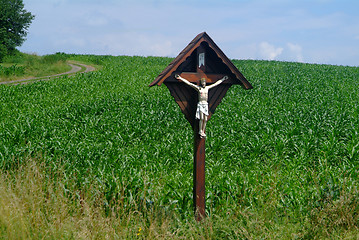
pixel 195 77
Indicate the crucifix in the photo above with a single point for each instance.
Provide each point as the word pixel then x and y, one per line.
pixel 198 78
pixel 202 106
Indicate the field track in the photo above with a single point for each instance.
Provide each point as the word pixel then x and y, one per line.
pixel 76 67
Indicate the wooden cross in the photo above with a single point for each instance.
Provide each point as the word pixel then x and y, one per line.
pixel 199 144
pixel 202 58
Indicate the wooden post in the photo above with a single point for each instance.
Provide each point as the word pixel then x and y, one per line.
pixel 199 176
pixel 199 189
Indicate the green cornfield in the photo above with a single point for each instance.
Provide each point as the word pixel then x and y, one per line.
pixel 281 158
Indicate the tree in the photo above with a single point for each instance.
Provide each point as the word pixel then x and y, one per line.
pixel 14 22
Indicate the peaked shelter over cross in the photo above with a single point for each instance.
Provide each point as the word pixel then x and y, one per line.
pixel 200 63
pixel 201 58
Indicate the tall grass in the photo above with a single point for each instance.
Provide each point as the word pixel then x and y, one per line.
pixel 281 159
pixel 36 204
pixel 13 70
pixel 35 207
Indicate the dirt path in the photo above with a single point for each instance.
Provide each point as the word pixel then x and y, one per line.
pixel 75 68
pixel 88 68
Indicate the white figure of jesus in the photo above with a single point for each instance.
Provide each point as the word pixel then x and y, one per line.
pixel 202 106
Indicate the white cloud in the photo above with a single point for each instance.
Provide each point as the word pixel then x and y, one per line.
pixel 96 22
pixel 123 43
pixel 162 49
pixel 70 41
pixel 295 52
pixel 268 51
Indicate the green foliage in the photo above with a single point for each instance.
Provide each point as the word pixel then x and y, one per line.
pixel 54 58
pixel 279 158
pixel 16 57
pixel 21 65
pixel 14 22
pixel 3 51
pixel 13 70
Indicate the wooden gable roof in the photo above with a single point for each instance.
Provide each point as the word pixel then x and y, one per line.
pixel 167 73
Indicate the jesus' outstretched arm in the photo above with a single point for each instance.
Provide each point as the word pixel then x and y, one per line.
pixel 187 82
pixel 218 82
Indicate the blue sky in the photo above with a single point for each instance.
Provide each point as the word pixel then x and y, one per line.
pixel 316 31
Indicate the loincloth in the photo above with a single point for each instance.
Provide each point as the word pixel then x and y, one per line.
pixel 202 108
